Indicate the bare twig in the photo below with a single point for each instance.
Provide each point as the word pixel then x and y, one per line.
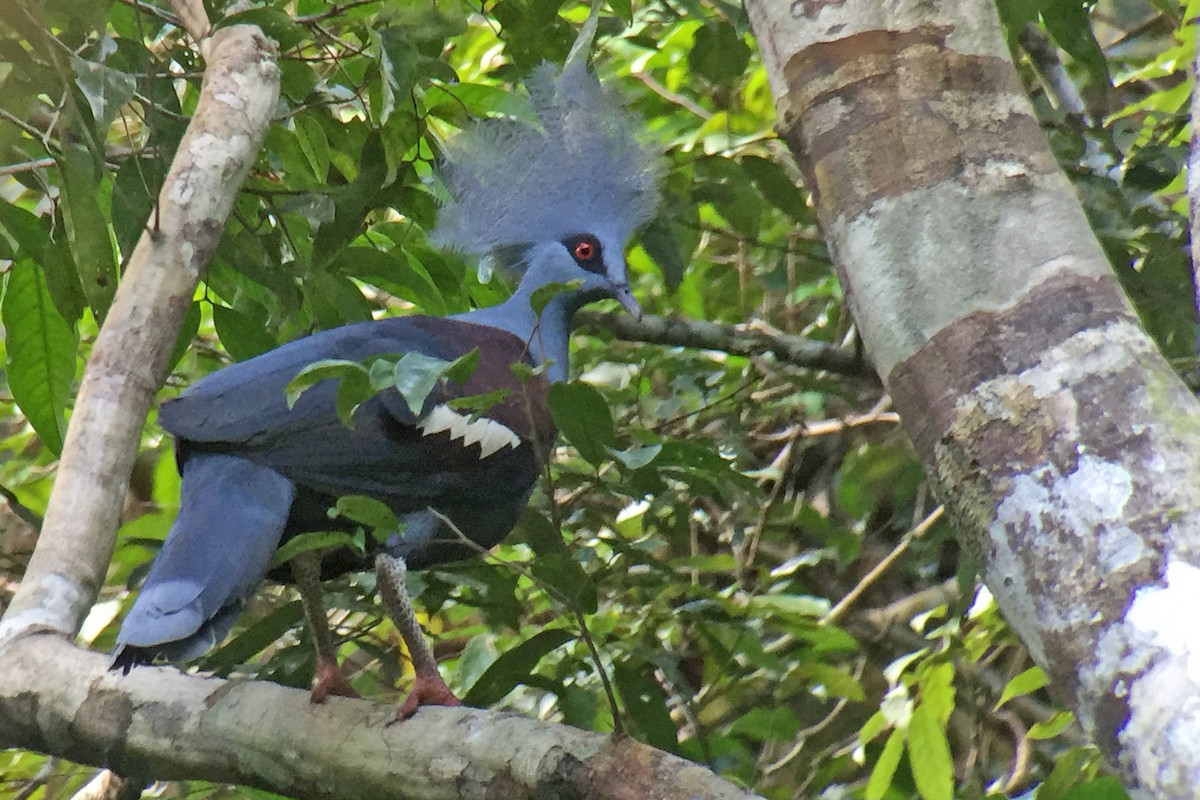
pixel 1054 75
pixel 194 20
pixel 884 565
pixel 736 340
pixel 672 97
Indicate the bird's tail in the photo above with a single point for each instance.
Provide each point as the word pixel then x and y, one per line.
pixel 232 514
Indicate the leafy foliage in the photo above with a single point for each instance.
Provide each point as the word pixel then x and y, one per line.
pixel 699 566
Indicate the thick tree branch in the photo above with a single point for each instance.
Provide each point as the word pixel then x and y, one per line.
pixel 158 721
pixel 736 340
pixel 194 18
pixel 238 97
pixel 1063 445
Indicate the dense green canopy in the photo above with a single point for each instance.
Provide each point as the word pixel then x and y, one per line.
pixel 735 530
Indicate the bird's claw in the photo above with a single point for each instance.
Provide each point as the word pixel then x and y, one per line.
pixel 330 680
pixel 426 692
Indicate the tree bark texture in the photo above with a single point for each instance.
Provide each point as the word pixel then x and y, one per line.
pixel 160 722
pixel 1062 442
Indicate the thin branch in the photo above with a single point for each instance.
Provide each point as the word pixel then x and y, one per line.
pixel 194 20
pixel 735 340
pixel 884 565
pixel 26 166
pixel 1054 75
pixel 672 97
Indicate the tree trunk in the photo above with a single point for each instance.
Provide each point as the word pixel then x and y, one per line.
pixel 1062 443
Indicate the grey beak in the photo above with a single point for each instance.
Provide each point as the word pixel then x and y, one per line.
pixel 625 297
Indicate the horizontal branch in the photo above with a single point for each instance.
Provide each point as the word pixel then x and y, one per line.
pixel 159 722
pixel 736 340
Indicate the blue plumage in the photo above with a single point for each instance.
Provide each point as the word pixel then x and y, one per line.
pixel 214 559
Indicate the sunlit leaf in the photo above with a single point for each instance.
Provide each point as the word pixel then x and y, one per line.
pixel 929 754
pixel 513 667
pixel 41 349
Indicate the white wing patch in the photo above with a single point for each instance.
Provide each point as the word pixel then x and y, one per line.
pixel 490 435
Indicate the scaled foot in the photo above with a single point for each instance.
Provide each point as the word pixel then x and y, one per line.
pixel 426 692
pixel 330 680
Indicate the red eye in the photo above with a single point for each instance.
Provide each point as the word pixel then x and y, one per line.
pixel 584 251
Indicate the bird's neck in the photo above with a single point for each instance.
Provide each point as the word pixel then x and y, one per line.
pixel 548 334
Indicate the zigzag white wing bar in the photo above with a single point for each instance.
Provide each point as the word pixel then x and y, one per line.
pixel 490 435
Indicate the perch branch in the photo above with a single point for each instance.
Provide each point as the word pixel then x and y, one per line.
pixel 736 340
pixel 159 721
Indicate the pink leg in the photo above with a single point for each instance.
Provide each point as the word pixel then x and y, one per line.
pixel 428 687
pixel 306 568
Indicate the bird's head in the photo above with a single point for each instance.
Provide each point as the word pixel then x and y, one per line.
pixel 584 267
pixel 558 199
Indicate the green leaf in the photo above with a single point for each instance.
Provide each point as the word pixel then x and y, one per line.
pixel 275 23
pixel 766 724
pixel 542 534
pixel 836 682
pixel 776 186
pixel 479 403
pixel 41 349
pixel 1067 772
pixel 885 767
pixel 583 417
pixel 462 368
pixel 1106 788
pixel 645 704
pixel 542 295
pixel 555 564
pixel 87 230
pixel 243 335
pixel 351 204
pixel 513 667
pixel 398 63
pixel 659 240
pixel 929 754
pixel 316 540
pixel 718 53
pixel 22 231
pixel 937 690
pixel 1016 13
pixel 1052 727
pixel 313 143
pixel 187 334
pixel 105 89
pixel 1027 682
pixel 328 369
pixel 571 584
pixel 1069 24
pixel 635 457
pixel 255 638
pixel 353 390
pixel 417 375
pixel 368 511
pixel 792 606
